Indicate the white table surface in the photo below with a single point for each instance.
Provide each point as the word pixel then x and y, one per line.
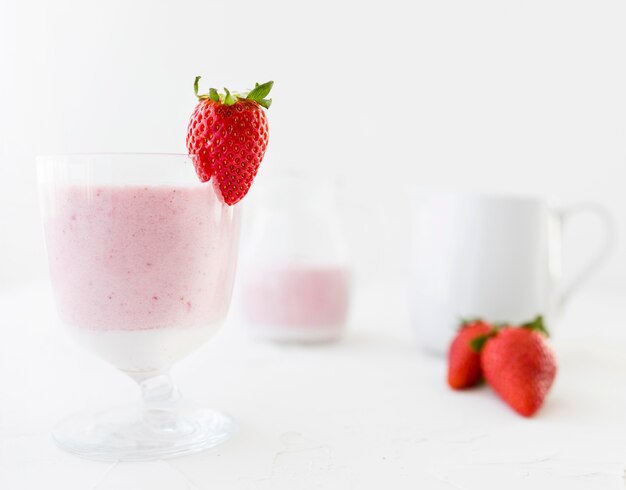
pixel 370 412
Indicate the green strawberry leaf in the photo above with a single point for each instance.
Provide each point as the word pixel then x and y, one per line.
pixel 229 99
pixel 259 92
pixel 210 95
pixel 265 103
pixel 477 343
pixel 213 95
pixel 537 325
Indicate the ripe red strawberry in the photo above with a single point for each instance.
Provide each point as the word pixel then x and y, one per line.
pixel 227 138
pixel 520 366
pixel 463 362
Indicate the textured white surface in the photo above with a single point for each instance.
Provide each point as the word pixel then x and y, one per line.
pixel 369 412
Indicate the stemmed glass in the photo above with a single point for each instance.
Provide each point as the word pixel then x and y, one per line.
pixel 142 259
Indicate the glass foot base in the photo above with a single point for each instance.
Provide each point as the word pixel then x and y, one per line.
pixel 131 434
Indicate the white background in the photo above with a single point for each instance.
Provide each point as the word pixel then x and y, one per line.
pixel 510 96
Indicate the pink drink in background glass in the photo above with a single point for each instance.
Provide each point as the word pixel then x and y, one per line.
pixel 297 302
pixel 142 274
pixel 295 282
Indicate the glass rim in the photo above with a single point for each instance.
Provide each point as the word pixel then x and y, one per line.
pixel 119 168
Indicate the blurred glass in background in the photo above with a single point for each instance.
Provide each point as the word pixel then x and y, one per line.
pixel 295 281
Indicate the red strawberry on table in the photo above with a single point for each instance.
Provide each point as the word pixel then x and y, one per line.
pixel 464 368
pixel 519 365
pixel 227 138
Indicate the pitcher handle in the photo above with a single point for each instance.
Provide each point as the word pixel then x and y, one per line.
pixel 584 274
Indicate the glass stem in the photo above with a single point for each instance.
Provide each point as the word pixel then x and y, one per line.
pixel 160 397
pixel 158 389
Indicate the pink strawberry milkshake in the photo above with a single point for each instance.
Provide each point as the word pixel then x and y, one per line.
pixel 300 303
pixel 143 274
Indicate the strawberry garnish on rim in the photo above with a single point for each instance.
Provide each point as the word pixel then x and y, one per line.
pixel 227 138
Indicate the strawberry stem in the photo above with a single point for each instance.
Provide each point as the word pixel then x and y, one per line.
pixel 258 94
pixel 467 321
pixel 537 324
